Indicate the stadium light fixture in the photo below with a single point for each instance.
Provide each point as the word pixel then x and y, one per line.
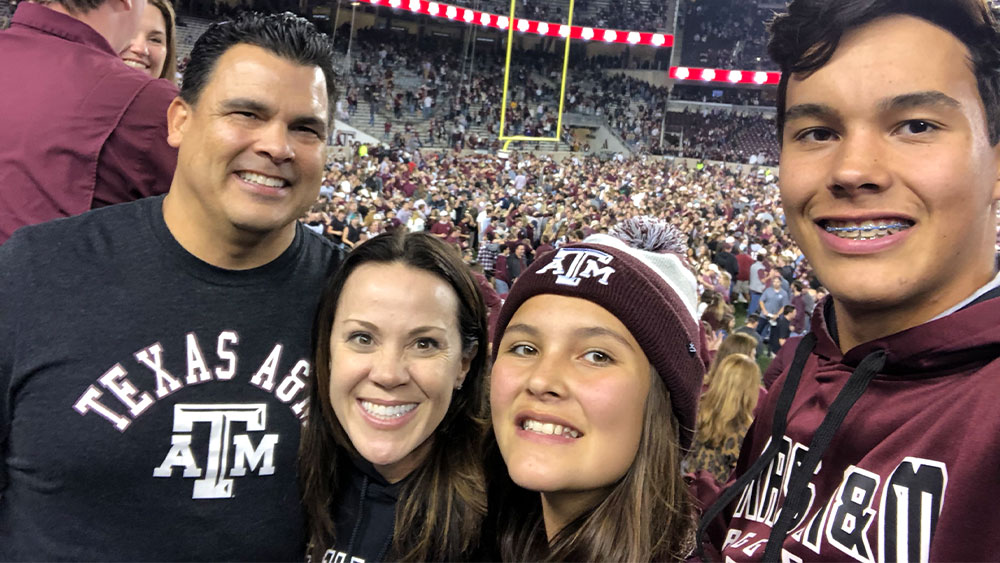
pixel 760 77
pixel 708 74
pixel 682 73
pixel 440 9
pixel 735 76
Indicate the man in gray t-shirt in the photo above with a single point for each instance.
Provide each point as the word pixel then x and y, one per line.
pixel 772 300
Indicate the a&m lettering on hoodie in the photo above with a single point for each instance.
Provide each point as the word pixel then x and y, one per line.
pixel 904 506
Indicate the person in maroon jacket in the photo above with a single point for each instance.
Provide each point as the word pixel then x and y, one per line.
pixel 879 440
pixel 80 129
pixel 741 287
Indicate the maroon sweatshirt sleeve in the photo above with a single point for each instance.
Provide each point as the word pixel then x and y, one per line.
pixel 136 160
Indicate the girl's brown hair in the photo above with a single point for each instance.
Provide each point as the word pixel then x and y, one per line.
pixel 443 502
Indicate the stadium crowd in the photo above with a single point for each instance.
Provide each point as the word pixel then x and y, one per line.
pixel 488 206
pixel 418 296
pixel 725 34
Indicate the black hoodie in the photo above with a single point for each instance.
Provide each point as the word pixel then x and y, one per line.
pixel 364 515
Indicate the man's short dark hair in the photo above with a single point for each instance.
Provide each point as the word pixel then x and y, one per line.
pixel 804 39
pixel 788 309
pixel 753 319
pixel 286 35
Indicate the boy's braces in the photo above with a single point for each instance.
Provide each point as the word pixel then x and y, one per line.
pixel 872 228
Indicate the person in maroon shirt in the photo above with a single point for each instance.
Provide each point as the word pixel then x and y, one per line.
pixel 878 442
pixel 742 284
pixel 442 227
pixel 80 129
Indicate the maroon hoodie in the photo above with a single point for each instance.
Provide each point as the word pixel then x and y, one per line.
pixel 913 471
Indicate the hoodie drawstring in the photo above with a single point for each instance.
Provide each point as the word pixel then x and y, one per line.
pixel 361 507
pixel 796 498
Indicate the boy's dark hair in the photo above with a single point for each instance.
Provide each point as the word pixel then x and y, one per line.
pixel 804 39
pixel 286 35
pixel 788 309
pixel 753 319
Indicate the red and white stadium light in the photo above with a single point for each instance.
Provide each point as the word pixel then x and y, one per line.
pixel 496 21
pixel 486 19
pixel 716 75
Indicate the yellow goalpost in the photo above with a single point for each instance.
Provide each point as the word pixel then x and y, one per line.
pixel 508 139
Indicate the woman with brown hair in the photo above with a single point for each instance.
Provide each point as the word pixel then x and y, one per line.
pixel 724 415
pixel 390 456
pixel 735 343
pixel 153 50
pixel 593 392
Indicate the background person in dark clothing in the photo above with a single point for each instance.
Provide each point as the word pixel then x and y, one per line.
pixel 725 259
pixel 751 328
pixel 517 263
pixel 782 329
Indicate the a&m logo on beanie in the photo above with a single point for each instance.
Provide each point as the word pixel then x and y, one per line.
pixel 583 263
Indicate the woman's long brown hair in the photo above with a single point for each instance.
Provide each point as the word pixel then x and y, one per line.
pixel 735 343
pixel 647 516
pixel 726 408
pixel 442 504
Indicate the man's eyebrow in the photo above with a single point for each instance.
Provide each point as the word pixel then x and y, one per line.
pixel 919 99
pixel 248 104
pixel 310 121
pixel 818 111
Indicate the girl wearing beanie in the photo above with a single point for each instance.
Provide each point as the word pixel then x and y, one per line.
pixel 594 386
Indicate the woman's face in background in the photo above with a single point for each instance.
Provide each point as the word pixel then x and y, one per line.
pixel 148 49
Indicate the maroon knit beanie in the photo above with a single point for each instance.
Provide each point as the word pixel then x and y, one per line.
pixel 638 274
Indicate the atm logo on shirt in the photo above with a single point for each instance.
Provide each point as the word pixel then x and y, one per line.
pixel 229 453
